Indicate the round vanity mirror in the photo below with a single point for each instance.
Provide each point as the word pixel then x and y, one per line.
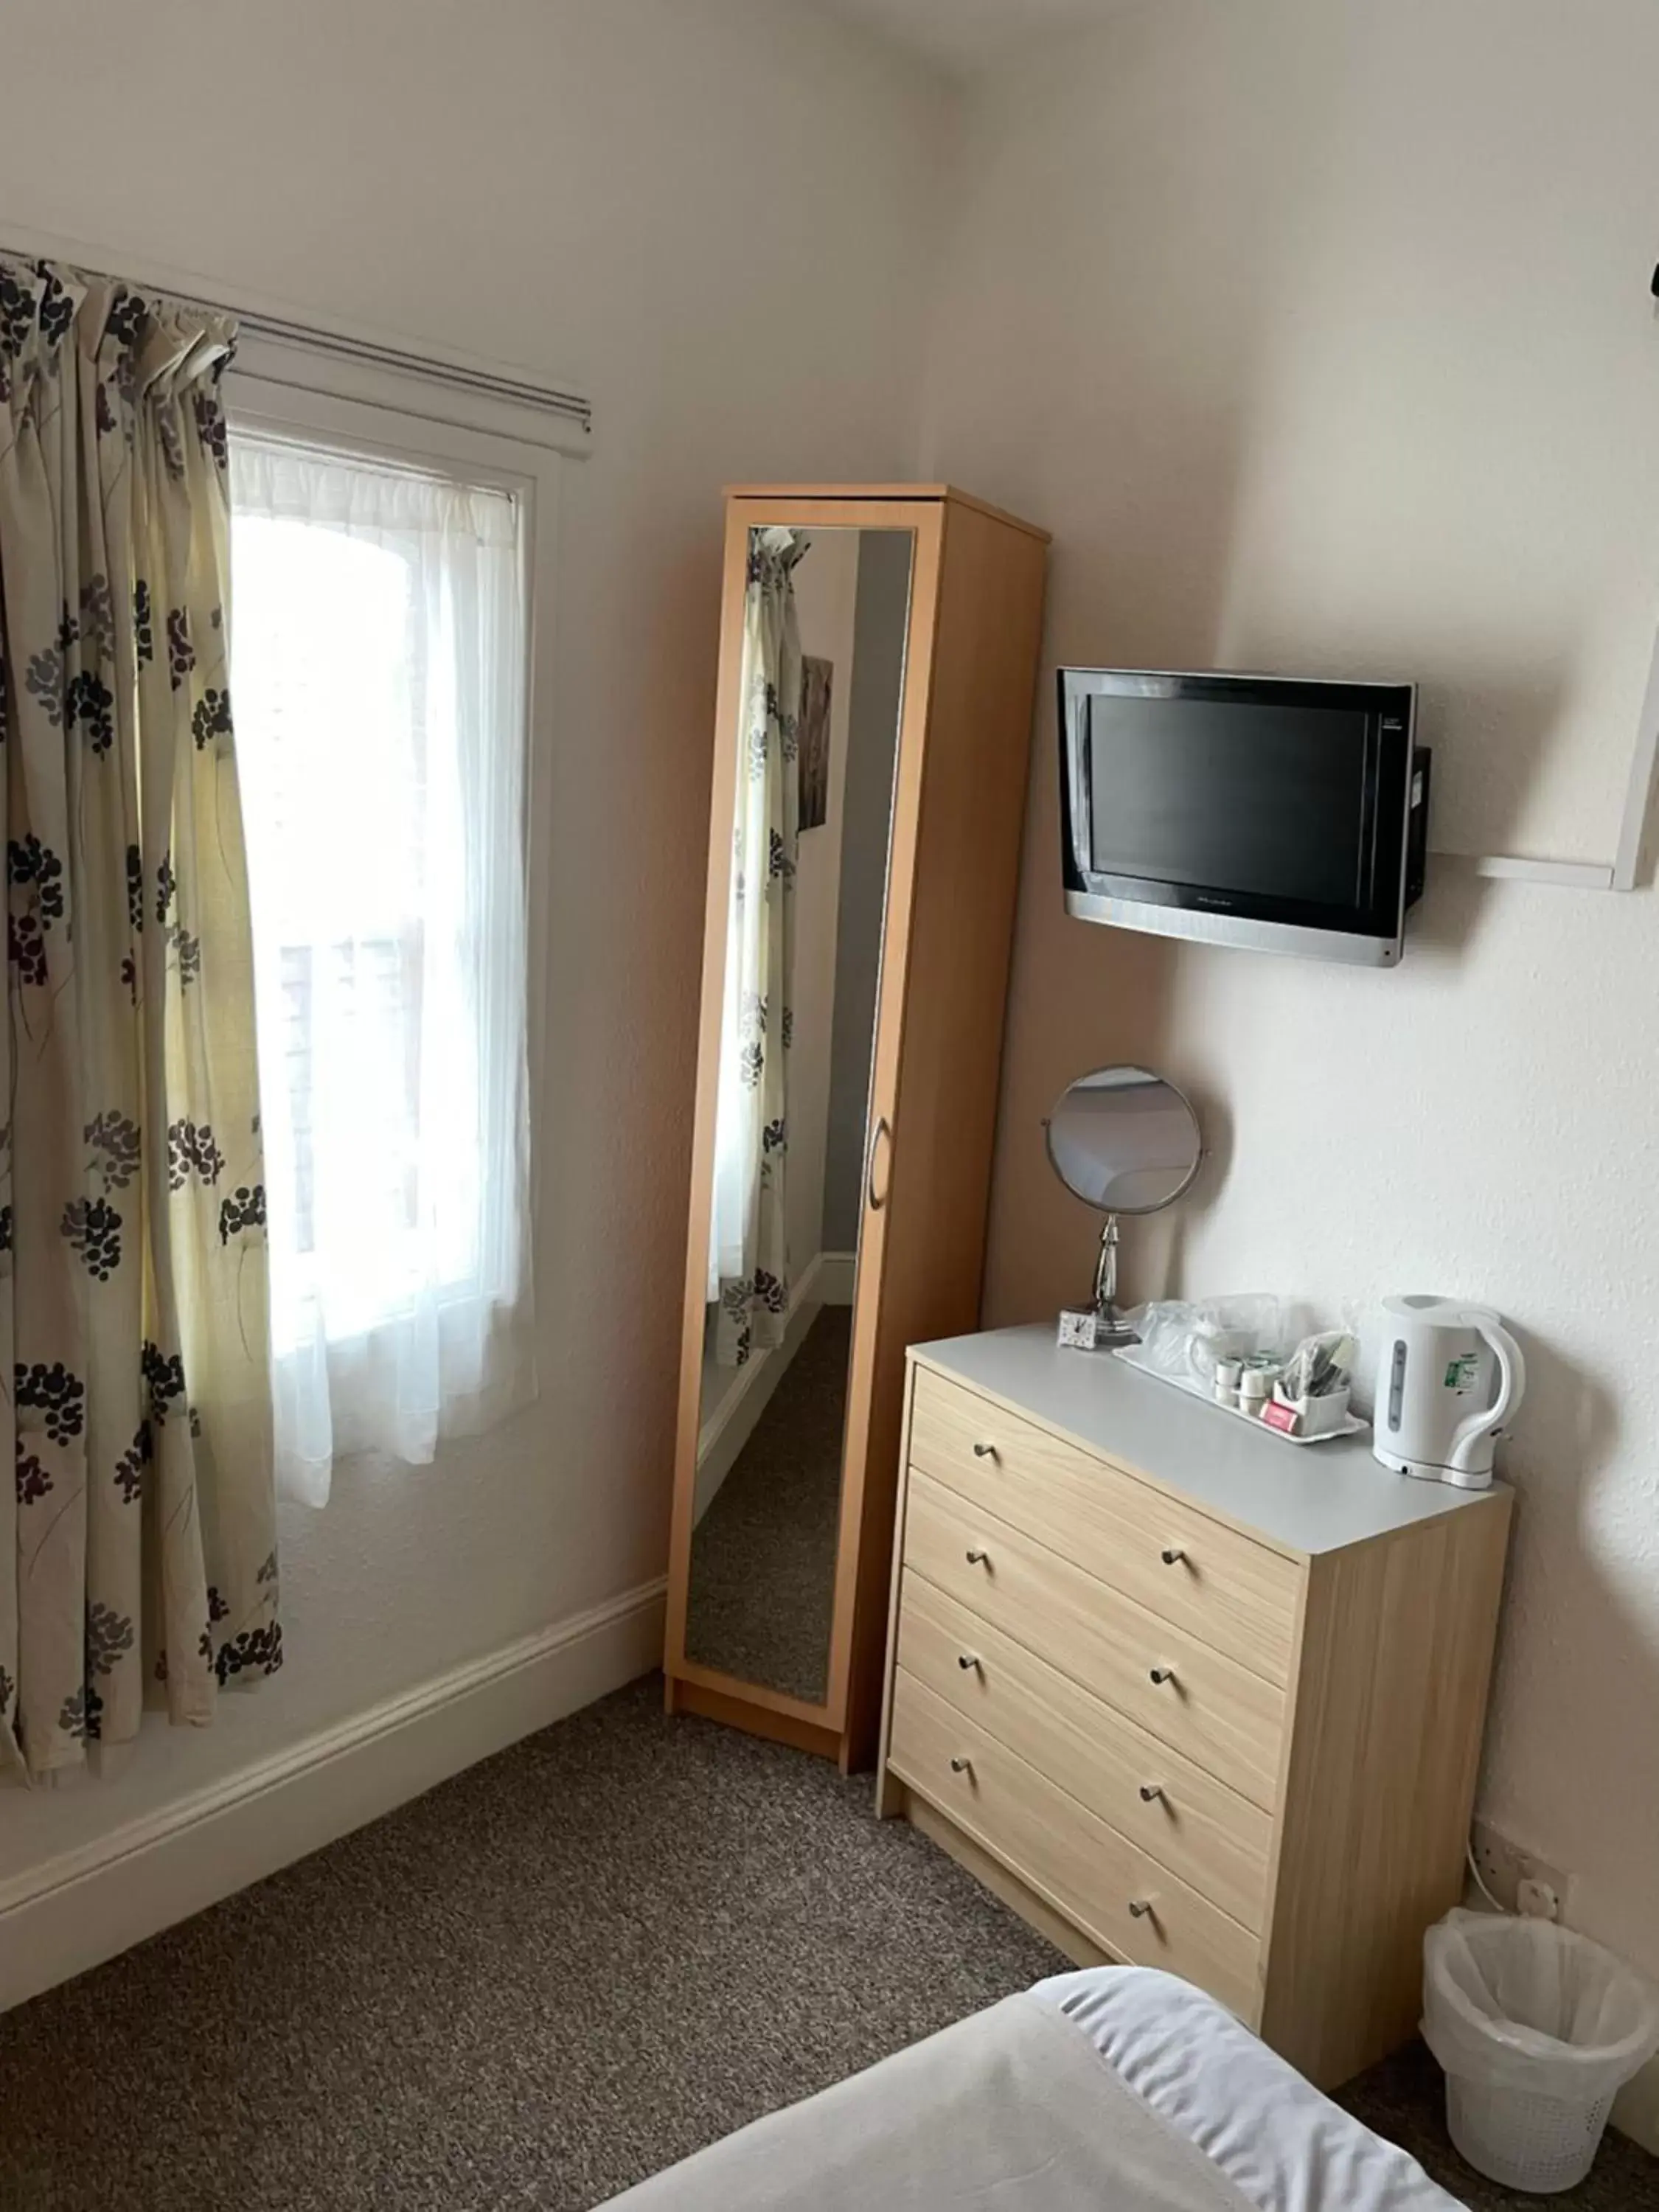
pixel 1123 1140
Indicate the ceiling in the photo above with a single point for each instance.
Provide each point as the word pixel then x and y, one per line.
pixel 963 36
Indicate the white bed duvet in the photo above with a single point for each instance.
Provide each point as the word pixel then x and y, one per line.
pixel 1118 2089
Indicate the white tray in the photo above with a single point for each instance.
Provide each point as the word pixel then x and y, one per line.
pixel 1133 1356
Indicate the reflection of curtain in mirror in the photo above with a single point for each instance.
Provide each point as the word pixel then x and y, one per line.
pixel 748 1258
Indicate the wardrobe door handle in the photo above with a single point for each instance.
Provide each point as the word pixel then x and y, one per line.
pixel 1170 1556
pixel 1140 1908
pixel 977 1557
pixel 960 1765
pixel 884 1128
pixel 1150 1792
pixel 967 1659
pixel 1161 1674
pixel 987 1451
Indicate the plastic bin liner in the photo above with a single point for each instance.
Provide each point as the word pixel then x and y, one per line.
pixel 1528 2005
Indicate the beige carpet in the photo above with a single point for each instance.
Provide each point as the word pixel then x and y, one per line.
pixel 763 1584
pixel 543 1981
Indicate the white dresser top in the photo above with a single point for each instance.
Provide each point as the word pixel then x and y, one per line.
pixel 1305 1498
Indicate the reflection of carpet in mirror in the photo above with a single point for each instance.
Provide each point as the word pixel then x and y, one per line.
pixel 764 1558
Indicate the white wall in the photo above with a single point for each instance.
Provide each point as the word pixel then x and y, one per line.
pixel 717 217
pixel 1317 332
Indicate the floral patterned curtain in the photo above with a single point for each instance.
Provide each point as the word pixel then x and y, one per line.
pixel 137 1552
pixel 749 1250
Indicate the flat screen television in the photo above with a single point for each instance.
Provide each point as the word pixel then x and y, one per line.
pixel 1268 811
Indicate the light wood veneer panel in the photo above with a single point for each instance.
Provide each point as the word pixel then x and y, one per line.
pixel 1059 1849
pixel 939 1032
pixel 1390 1703
pixel 1222 1716
pixel 1237 1595
pixel 1002 1880
pixel 1196 1827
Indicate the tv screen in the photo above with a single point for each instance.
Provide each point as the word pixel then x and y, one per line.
pixel 1272 812
pixel 1228 796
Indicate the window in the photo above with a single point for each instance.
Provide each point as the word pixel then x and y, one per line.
pixel 379 674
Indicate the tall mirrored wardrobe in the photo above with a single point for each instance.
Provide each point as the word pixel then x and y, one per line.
pixel 879 654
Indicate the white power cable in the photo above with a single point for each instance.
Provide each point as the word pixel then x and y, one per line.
pixel 1468 1853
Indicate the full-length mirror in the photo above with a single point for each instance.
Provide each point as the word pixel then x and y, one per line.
pixel 826 617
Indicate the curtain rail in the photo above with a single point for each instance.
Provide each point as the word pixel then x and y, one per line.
pixel 548 399
pixel 372 352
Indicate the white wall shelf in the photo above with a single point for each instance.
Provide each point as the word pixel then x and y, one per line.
pixel 1618 874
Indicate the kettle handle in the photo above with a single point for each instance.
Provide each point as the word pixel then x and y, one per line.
pixel 1511 1387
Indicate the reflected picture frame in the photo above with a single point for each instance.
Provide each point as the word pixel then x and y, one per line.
pixel 812 741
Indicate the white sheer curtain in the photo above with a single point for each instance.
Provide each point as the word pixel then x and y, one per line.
pixel 379 674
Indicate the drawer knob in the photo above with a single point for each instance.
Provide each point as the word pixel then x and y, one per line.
pixel 1171 1555
pixel 967 1659
pixel 1140 1908
pixel 986 1451
pixel 1162 1674
pixel 976 1557
pixel 1150 1792
pixel 960 1765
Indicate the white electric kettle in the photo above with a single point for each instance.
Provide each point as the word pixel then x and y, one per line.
pixel 1448 1377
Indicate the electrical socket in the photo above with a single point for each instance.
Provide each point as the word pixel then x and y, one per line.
pixel 1519 1878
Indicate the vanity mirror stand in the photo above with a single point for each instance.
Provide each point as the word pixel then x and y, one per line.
pixel 1123 1140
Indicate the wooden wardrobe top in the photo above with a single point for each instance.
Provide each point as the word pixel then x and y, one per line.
pixel 1304 1499
pixel 896 491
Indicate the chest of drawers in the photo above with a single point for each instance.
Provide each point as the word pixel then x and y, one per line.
pixel 1185 1695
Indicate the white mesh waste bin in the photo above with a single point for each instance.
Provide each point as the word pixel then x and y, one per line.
pixel 1537 2028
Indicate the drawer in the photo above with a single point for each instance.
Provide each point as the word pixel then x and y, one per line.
pixel 1084 1869
pixel 1196 1827
pixel 1225 1718
pixel 1236 1594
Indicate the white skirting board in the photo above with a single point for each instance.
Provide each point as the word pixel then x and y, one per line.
pixel 837 1277
pixel 59 1919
